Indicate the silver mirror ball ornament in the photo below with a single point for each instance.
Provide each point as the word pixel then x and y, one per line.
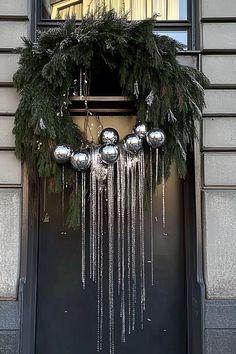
pixel 155 138
pixel 133 143
pixel 109 153
pixel 141 130
pixel 62 153
pixel 80 160
pixel 109 136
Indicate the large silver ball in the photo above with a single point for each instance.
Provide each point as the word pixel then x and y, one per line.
pixel 80 160
pixel 109 136
pixel 109 153
pixel 62 153
pixel 156 138
pixel 133 143
pixel 141 130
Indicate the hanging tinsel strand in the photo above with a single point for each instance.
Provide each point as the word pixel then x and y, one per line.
pixel 118 184
pixel 81 82
pixel 83 223
pixel 163 192
pixel 121 164
pixel 157 165
pixel 128 205
pixel 46 217
pixel 133 239
pixel 151 217
pixel 98 265
pixel 101 269
pixel 91 217
pixel 141 177
pixel 63 232
pixel 110 188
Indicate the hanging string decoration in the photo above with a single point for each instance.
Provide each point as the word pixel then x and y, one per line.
pixel 117 190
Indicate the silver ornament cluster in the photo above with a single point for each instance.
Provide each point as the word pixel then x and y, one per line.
pixel 155 137
pixel 109 150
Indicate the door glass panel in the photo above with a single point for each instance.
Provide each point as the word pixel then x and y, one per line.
pixel 137 9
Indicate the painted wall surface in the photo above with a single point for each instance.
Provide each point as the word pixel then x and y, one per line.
pixel 13 25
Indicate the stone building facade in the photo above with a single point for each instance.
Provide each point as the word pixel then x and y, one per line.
pixel 215 179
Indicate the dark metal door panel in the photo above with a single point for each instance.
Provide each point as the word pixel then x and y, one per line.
pixel 67 314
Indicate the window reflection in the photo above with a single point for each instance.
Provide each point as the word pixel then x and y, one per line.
pixel 179 36
pixel 138 9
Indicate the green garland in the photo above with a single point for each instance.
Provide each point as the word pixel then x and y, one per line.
pixel 49 66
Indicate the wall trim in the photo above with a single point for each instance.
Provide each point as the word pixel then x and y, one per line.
pixel 8 50
pixel 221 87
pixel 219 115
pixel 218 19
pixel 219 51
pixel 220 314
pixel 6 84
pixel 15 18
pixel 9 316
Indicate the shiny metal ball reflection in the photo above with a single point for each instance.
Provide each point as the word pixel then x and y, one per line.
pixel 80 160
pixel 109 136
pixel 109 153
pixel 133 143
pixel 141 130
pixel 156 138
pixel 62 153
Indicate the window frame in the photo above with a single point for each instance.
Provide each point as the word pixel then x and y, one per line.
pixel 190 25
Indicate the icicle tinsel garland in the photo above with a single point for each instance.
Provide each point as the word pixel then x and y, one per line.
pixel 116 199
pixel 117 186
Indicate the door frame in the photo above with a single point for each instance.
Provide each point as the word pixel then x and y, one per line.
pixel 195 288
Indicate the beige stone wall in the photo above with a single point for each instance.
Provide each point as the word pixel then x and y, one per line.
pixel 13 25
pixel 219 148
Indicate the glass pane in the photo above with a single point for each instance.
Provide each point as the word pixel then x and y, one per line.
pixel 138 9
pixel 180 36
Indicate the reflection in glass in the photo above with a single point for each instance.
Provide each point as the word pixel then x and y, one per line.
pixel 138 9
pixel 179 36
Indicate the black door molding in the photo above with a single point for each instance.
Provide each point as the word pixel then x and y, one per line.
pixel 29 293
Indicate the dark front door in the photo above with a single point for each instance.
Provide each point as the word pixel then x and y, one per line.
pixel 67 314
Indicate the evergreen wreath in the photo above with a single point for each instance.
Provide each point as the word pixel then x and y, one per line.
pixel 48 67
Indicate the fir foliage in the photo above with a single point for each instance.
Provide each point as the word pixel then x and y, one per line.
pixel 48 67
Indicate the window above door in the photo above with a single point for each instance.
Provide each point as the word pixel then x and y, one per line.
pixel 174 17
pixel 167 10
